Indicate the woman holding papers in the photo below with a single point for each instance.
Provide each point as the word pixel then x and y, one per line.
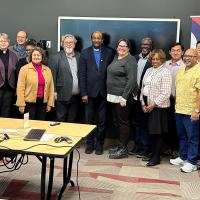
pixel 35 88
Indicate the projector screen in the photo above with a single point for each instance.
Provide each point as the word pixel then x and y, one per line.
pixel 164 32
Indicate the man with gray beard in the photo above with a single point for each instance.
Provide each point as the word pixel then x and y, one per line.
pixel 64 66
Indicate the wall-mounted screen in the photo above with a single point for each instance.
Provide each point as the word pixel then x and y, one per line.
pixel 163 31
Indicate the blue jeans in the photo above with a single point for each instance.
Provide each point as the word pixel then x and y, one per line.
pixel 188 134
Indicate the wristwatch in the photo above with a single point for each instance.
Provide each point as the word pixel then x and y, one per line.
pixel 196 111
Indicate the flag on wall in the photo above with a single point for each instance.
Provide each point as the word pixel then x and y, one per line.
pixel 195 32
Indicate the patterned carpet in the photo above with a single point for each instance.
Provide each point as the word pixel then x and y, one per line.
pixel 103 179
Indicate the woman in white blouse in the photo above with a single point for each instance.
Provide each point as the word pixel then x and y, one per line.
pixel 155 99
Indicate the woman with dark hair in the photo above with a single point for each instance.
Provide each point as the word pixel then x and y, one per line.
pixel 121 84
pixel 35 88
pixel 155 99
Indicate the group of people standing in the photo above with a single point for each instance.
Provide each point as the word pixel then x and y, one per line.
pixel 24 64
pixel 169 95
pixel 144 86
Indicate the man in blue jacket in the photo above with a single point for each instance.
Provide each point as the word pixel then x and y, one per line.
pixel 92 79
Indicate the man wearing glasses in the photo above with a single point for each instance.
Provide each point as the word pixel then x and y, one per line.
pixel 176 51
pixel 64 66
pixel 187 110
pixel 19 47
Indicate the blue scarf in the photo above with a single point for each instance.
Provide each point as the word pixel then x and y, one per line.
pixel 21 50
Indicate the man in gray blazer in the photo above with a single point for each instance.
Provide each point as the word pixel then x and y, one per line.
pixel 64 66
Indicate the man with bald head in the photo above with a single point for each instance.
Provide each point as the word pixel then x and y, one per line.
pixel 187 110
pixel 19 47
pixel 92 80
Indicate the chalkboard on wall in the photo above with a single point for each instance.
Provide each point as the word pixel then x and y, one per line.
pixel 163 31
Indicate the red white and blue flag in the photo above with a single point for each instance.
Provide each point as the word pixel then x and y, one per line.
pixel 195 32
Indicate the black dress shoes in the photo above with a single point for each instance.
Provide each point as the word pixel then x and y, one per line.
pixel 146 159
pixel 153 163
pixel 134 151
pixel 99 150
pixel 89 149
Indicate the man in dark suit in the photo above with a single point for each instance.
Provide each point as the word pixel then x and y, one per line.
pixel 64 66
pixel 8 60
pixel 141 134
pixel 92 78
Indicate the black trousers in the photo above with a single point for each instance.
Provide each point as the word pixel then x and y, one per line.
pixel 156 146
pixel 68 110
pixel 95 113
pixel 171 139
pixel 6 100
pixel 36 110
pixel 140 120
pixel 122 119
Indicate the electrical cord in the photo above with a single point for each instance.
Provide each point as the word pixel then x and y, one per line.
pixel 77 175
pixel 16 162
pixel 7 148
pixel 13 162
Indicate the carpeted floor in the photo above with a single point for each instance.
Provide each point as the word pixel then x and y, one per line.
pixel 103 179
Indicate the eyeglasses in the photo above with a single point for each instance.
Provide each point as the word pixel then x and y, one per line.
pixel 176 50
pixel 122 46
pixel 69 43
pixel 27 50
pixel 3 41
pixel 189 56
pixel 155 59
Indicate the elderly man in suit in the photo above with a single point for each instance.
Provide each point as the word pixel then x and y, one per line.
pixel 64 66
pixel 92 77
pixel 8 61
